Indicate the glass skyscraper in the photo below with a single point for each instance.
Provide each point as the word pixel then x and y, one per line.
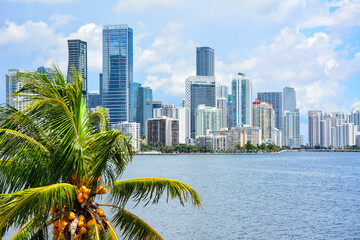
pixel 78 60
pixel 241 101
pixel 275 99
pixel 205 61
pixel 117 71
pixel 289 99
pixel 144 107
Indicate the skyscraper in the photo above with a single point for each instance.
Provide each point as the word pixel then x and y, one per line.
pixel 144 108
pixel 205 61
pixel 78 60
pixel 93 100
pixel 292 128
pixel 117 71
pixel 314 128
pixel 241 101
pixel 100 87
pixel 263 117
pixel 289 99
pixel 134 90
pixel 206 119
pixel 221 103
pixel 275 99
pixel 199 90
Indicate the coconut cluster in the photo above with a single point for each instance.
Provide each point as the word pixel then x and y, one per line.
pixel 82 219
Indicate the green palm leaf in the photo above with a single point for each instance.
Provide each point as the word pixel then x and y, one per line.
pixel 151 189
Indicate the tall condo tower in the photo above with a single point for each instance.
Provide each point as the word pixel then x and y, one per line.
pixel 276 100
pixel 242 101
pixel 78 60
pixel 289 99
pixel 205 61
pixel 117 71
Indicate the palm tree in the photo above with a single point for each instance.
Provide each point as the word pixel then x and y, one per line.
pixel 57 160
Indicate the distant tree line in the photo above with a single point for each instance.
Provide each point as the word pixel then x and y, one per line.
pixel 248 148
pixel 347 147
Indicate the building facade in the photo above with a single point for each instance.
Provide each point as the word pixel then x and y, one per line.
pixel 314 118
pixel 168 110
pixel 117 71
pixel 132 130
pixel 276 100
pixel 241 101
pixel 78 60
pixel 263 117
pixel 289 99
pixel 207 119
pixel 144 108
pixel 221 103
pixel 162 130
pixel 205 61
pixel 183 115
pixel 93 100
pixel 292 128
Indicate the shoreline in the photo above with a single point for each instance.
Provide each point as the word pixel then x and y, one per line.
pixel 214 153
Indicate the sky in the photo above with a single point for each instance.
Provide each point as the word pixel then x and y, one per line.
pixel 311 45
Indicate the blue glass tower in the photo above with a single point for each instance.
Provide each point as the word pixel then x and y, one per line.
pixel 117 71
pixel 144 107
pixel 205 61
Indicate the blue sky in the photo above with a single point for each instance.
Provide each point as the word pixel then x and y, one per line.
pixel 312 46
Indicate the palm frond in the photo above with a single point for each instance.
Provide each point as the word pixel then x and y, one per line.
pixel 151 190
pixel 132 227
pixel 32 229
pixel 98 120
pixel 15 208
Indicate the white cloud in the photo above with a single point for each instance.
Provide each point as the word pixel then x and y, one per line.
pixel 60 19
pixel 143 5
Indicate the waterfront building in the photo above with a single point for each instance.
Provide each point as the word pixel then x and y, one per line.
pixel 275 99
pixel 199 90
pixel 78 60
pixel 357 139
pixel 117 71
pixel 131 129
pixel 221 103
pixel 355 115
pixel 263 117
pixel 167 110
pixel 241 101
pixel 314 118
pixel 230 112
pixel 183 115
pixel 289 99
pixel 12 86
pixel 205 61
pixel 162 130
pixel 144 109
pixel 253 134
pixel 278 137
pixel 206 119
pixel 233 137
pixel 93 100
pixel 292 128
pixel 133 99
pixel 215 142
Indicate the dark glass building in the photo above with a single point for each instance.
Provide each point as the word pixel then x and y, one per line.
pixel 78 60
pixel 93 100
pixel 117 71
pixel 133 91
pixel 201 93
pixel 275 99
pixel 205 61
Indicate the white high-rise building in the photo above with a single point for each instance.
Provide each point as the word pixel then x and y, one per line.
pixel 167 110
pixel 132 129
pixel 314 128
pixel 221 103
pixel 206 119
pixel 242 101
pixel 183 115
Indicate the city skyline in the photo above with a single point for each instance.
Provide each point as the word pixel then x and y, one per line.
pixel 309 46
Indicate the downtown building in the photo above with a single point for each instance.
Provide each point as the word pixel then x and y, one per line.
pixel 292 128
pixel 131 129
pixel 241 101
pixel 78 61
pixel 276 100
pixel 117 75
pixel 331 130
pixel 162 130
pixel 263 117
pixel 206 119
pixel 144 108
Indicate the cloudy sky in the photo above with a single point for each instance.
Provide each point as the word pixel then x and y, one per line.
pixel 312 46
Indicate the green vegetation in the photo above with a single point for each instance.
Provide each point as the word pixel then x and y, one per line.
pixel 248 148
pixel 56 162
